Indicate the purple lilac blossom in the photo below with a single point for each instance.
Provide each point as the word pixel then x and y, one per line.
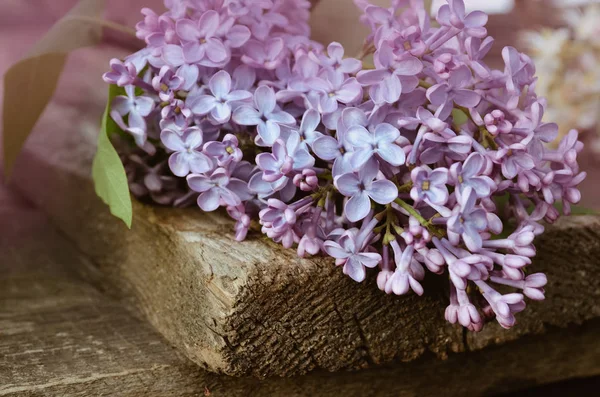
pixel 219 103
pixel 232 105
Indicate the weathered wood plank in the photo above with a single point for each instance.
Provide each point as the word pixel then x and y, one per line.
pixel 61 337
pixel 255 308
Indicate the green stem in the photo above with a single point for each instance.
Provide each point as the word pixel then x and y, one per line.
pixel 412 212
pixel 406 188
pixel 424 222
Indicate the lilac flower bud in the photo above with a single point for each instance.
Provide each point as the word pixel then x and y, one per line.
pixel 520 242
pixel 278 221
pixel 433 260
pixel 403 278
pixel 467 315
pixel 443 64
pixel 307 181
pixel 504 306
pixel 416 235
pixel 387 268
pixel 312 240
pixel 243 221
pixel 532 285
pixel 496 123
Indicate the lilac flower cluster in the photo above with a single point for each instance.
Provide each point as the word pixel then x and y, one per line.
pixel 399 166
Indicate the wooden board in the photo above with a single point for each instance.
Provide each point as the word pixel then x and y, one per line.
pixel 62 337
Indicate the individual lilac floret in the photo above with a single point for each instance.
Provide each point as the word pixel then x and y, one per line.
pixel 336 61
pixel 176 113
pixel 218 189
pixel 453 14
pixel 468 221
pixel 403 279
pixel 337 150
pixel 166 83
pixel 121 74
pixel 220 103
pixel 286 156
pixel 242 225
pixel 136 108
pixel 391 76
pixel 382 142
pixel 308 127
pixel 429 185
pixel 268 55
pixel 264 115
pixel 200 42
pixel 361 188
pixel 225 151
pixel 537 133
pixel 187 158
pixel 514 159
pixel 349 253
pixel 469 174
pixel 455 90
pixel 334 89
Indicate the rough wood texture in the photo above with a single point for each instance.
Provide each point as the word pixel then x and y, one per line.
pixel 253 308
pixel 61 337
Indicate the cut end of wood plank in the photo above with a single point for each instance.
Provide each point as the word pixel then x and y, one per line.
pixel 254 308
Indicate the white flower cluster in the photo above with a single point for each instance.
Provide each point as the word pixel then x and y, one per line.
pixel 568 69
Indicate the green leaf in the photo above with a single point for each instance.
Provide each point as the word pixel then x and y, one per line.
pixel 30 84
pixel 109 176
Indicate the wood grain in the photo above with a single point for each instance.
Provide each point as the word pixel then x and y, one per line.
pixel 62 337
